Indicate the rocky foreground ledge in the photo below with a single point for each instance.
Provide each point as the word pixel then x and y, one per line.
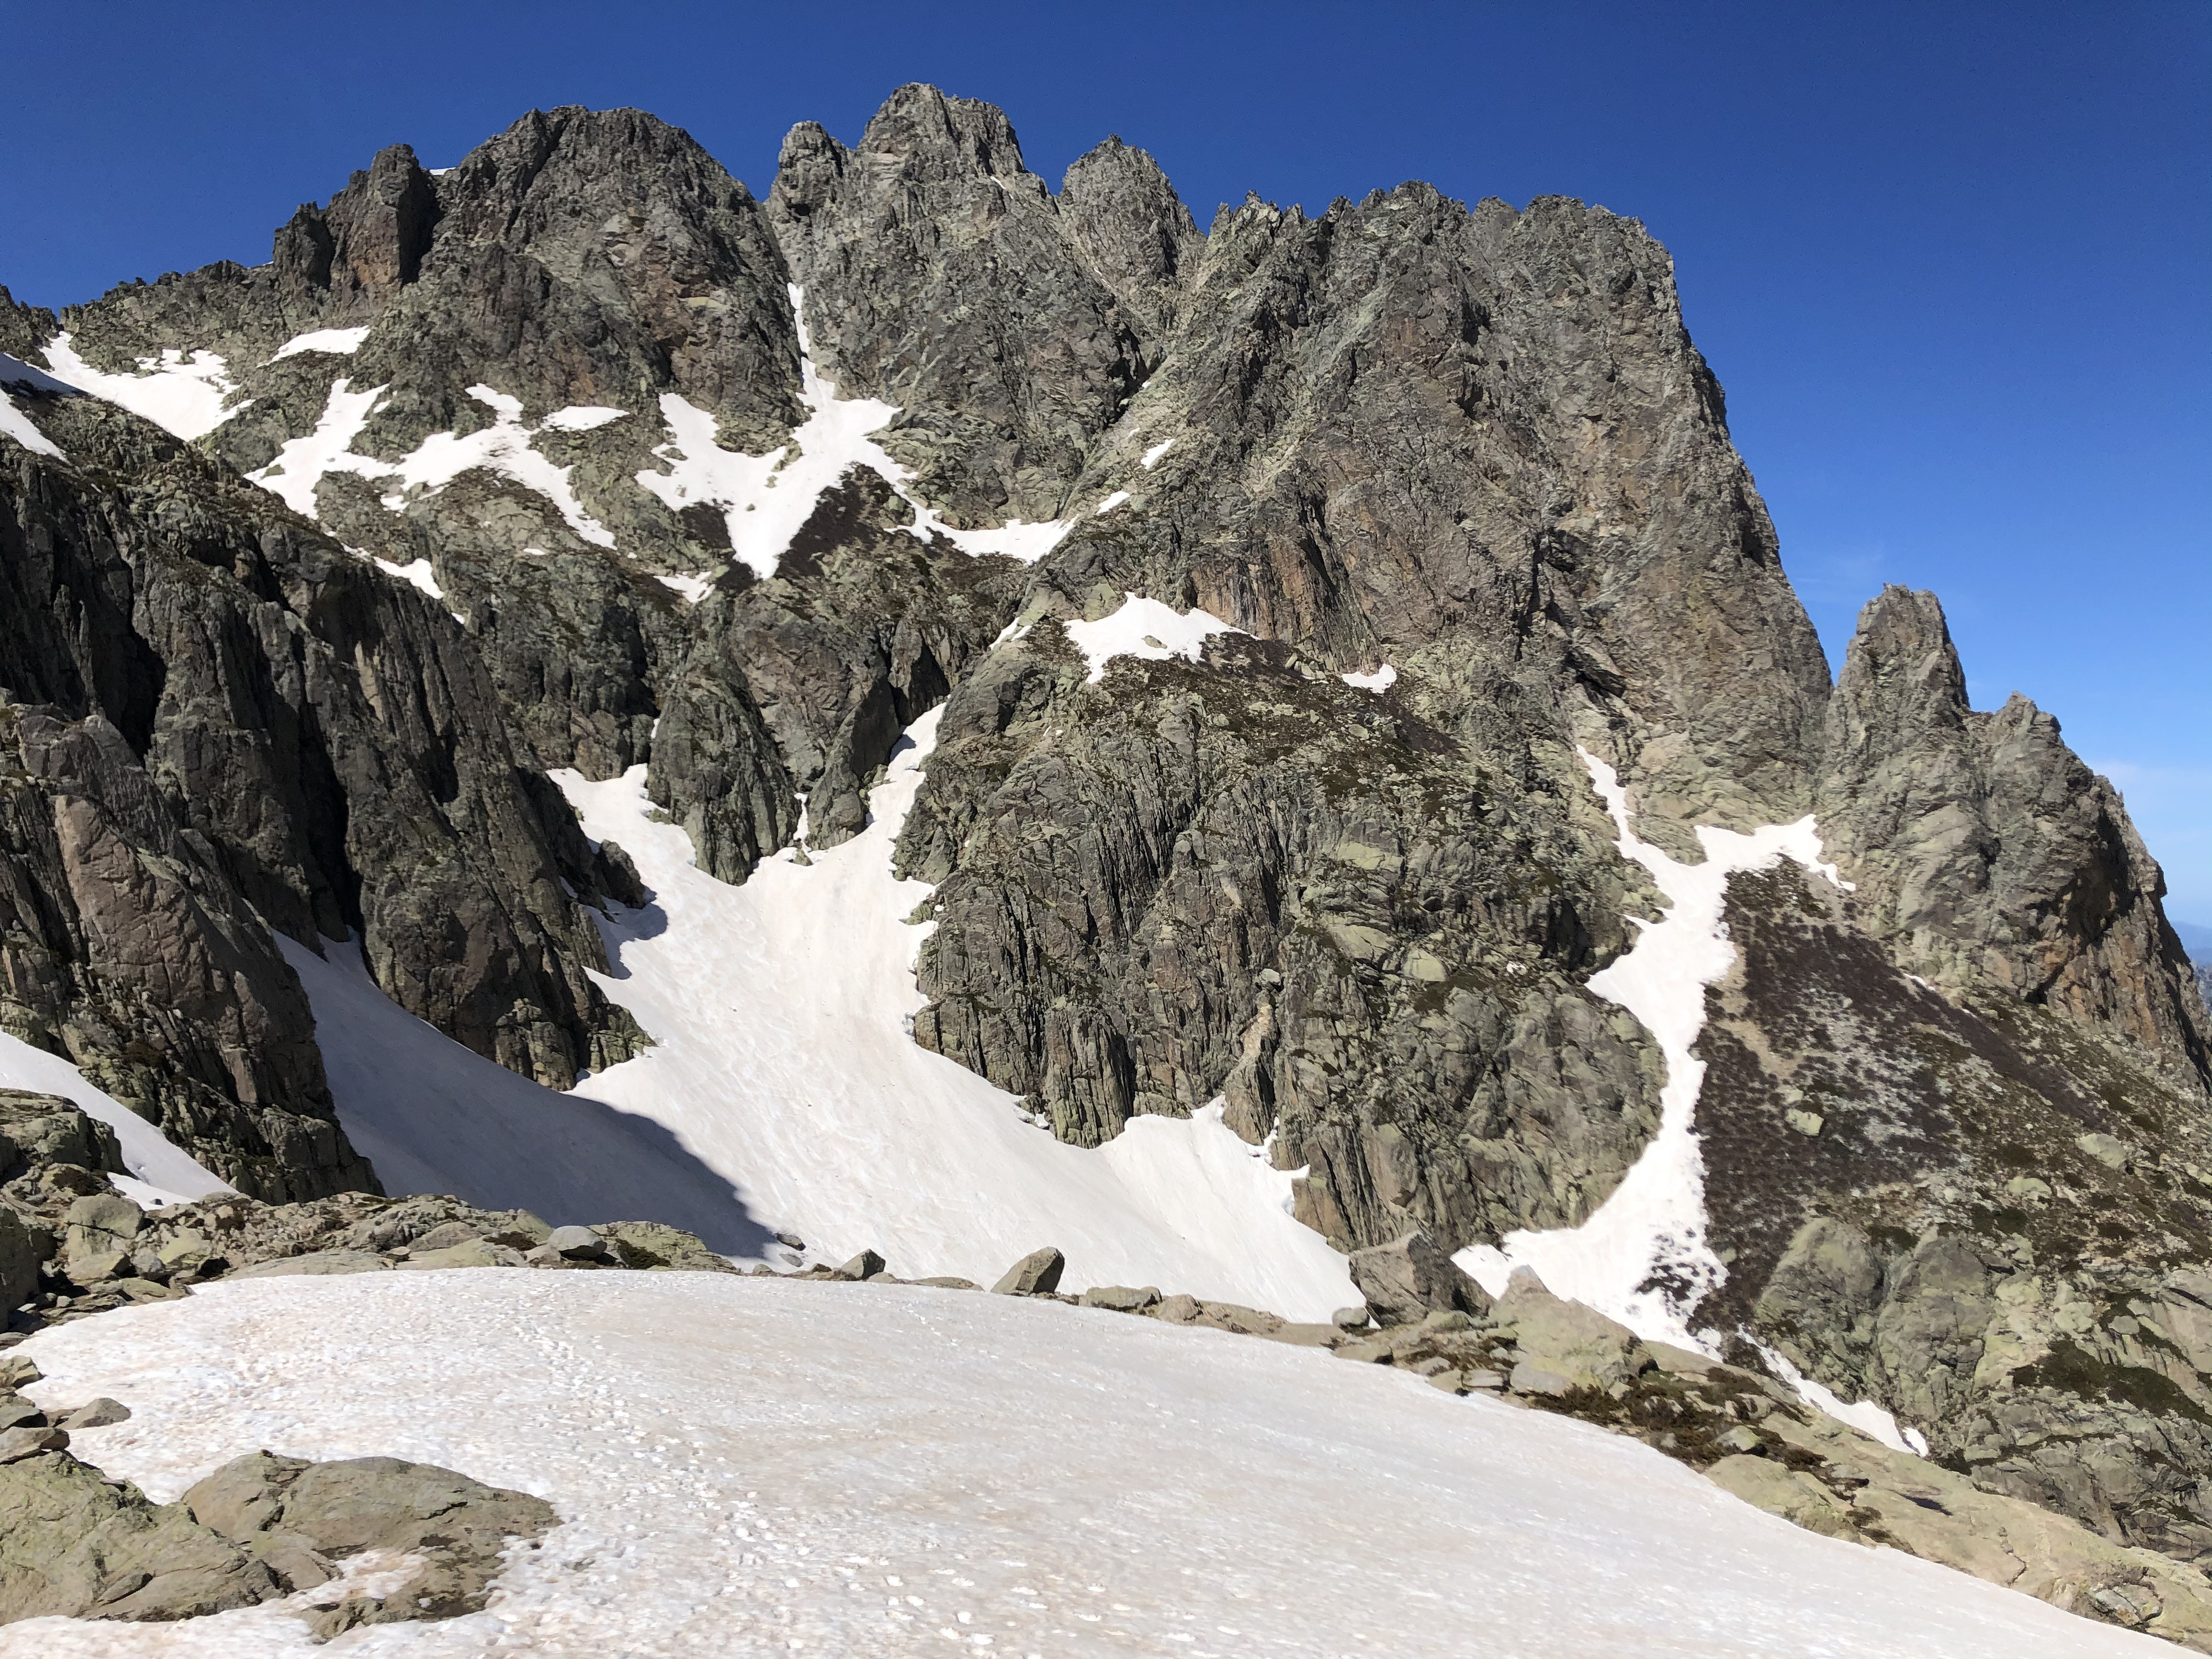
pixel 71 1247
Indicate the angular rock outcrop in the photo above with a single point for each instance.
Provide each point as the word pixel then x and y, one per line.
pixel 1986 855
pixel 940 275
pixel 303 1517
pixel 1409 1278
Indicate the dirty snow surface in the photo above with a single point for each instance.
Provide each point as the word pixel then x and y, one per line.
pixel 784 1068
pixel 753 1466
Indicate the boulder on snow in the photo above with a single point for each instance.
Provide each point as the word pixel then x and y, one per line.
pixel 577 1244
pixel 651 1244
pixel 97 1239
pixel 1412 1276
pixel 306 1515
pixel 866 1265
pixel 1352 1319
pixel 1121 1298
pixel 471 1252
pixel 78 1546
pixel 1565 1339
pixel 1036 1274
pixel 317 1262
pixel 99 1414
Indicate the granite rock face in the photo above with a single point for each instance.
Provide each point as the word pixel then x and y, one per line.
pixel 223 723
pixel 942 276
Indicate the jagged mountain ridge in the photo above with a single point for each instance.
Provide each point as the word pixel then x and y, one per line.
pixel 1474 445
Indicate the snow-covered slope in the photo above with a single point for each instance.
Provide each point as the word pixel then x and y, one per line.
pixel 160 1172
pixel 786 1067
pixel 759 1466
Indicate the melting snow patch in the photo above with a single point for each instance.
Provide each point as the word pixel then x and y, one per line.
pixel 767 499
pixel 19 426
pixel 1146 628
pixel 182 393
pixel 1111 503
pixel 503 447
pixel 1381 680
pixel 337 342
pixel 693 588
pixel 1866 1417
pixel 748 1466
pixel 147 1196
pixel 581 417
pixel 147 1153
pixel 301 464
pixel 1643 1257
pixel 420 573
pixel 1152 455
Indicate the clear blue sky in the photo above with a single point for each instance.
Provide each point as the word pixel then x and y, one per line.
pixel 1951 261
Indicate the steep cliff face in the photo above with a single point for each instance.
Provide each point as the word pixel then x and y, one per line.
pixel 1279 585
pixel 232 725
pixel 1371 442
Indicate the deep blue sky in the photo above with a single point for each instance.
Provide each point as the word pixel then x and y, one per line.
pixel 1953 262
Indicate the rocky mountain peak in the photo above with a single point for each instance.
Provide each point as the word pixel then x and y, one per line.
pixel 353 257
pixel 1900 673
pixel 1985 854
pixel 1254 793
pixel 940 277
pixel 1132 229
pixel 933 137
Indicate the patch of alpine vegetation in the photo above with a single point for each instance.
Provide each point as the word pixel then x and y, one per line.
pixel 1973 1211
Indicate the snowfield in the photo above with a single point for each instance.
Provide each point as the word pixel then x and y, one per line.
pixel 187 394
pixel 785 1074
pixel 760 1466
pixel 1144 629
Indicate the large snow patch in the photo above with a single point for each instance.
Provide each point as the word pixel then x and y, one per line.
pixel 759 1466
pixel 188 393
pixel 784 1065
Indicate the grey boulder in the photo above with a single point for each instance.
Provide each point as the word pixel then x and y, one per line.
pixel 578 1244
pixel 1036 1274
pixel 1410 1277
pixel 284 1508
